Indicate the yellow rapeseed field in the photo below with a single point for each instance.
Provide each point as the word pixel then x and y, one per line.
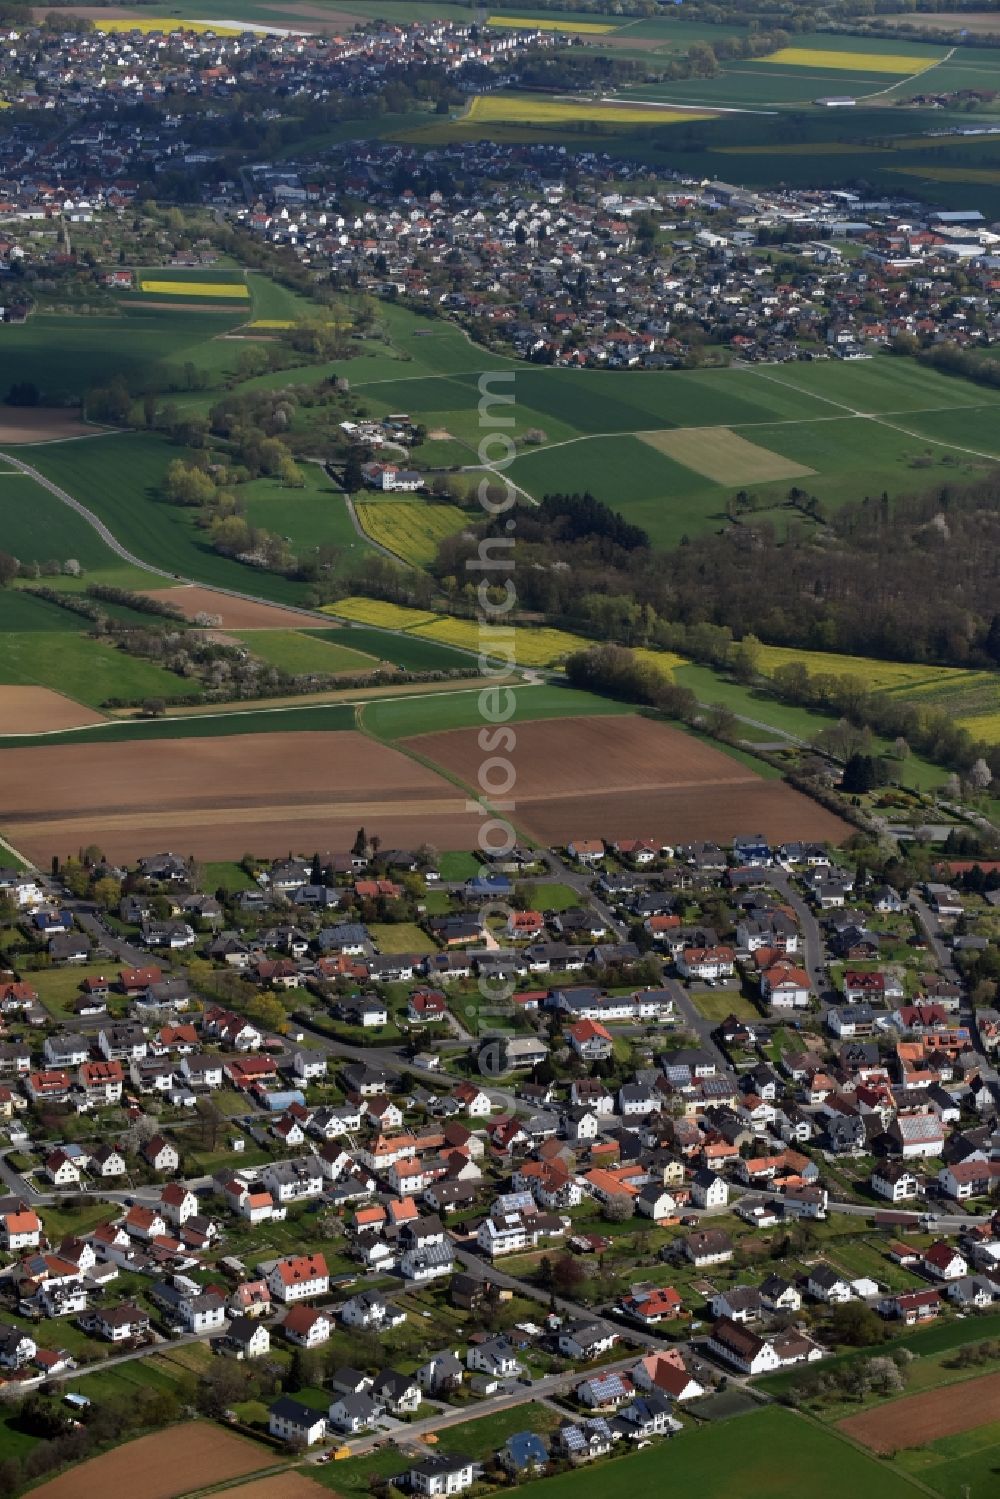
pixel 165 23
pixel 849 62
pixel 585 28
pixel 412 531
pixel 542 647
pixel 881 676
pixel 376 612
pixel 271 322
pixel 988 176
pixel 523 109
pixel 986 727
pixel 231 290
pixel 802 148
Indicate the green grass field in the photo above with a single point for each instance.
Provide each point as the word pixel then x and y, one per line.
pixel 20 612
pixel 399 718
pixel 769 1454
pixel 806 412
pixel 86 669
pixel 408 652
pixel 311 517
pixel 959 1467
pixel 65 356
pixel 308 718
pixel 36 527
pixel 119 479
pixel 302 655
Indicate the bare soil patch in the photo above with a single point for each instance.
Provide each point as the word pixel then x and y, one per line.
pixel 322 19
pixel 39 710
pixel 981 22
pixel 566 756
pixel 193 1456
pixel 624 38
pixel 629 778
pixel 716 813
pixel 918 1419
pixel 43 424
pixel 220 797
pixel 90 13
pixel 235 613
pixel 439 434
pixel 278 1486
pixel 204 304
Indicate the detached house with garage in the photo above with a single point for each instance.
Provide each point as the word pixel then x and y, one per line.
pixel 827 1284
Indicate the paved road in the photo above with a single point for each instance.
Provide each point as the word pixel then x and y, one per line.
pixel 694 1021
pixel 581 880
pixel 946 962
pixel 109 539
pixel 947 1222
pixel 814 951
pixel 542 1389
pixel 484 1269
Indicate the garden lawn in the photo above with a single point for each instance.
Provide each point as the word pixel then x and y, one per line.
pixel 458 866
pixel 718 1007
pixel 481 1438
pixel 401 936
pixel 555 897
pixel 227 876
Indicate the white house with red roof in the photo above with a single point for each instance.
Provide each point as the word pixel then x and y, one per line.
pixel 298 1277
pixel 944 1262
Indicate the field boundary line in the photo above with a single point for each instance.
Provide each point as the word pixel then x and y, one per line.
pixel 920 73
pixel 848 414
pixel 248 712
pixel 106 535
pixel 938 442
pixel 17 854
pixel 882 1461
pixel 881 420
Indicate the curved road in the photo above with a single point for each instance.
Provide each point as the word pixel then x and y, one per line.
pixel 88 515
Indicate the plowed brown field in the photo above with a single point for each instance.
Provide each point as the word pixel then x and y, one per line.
pixel 219 798
pixel 630 778
pixel 39 710
pixel 277 1486
pixel 43 424
pixel 235 613
pixel 193 1456
pixel 918 1419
